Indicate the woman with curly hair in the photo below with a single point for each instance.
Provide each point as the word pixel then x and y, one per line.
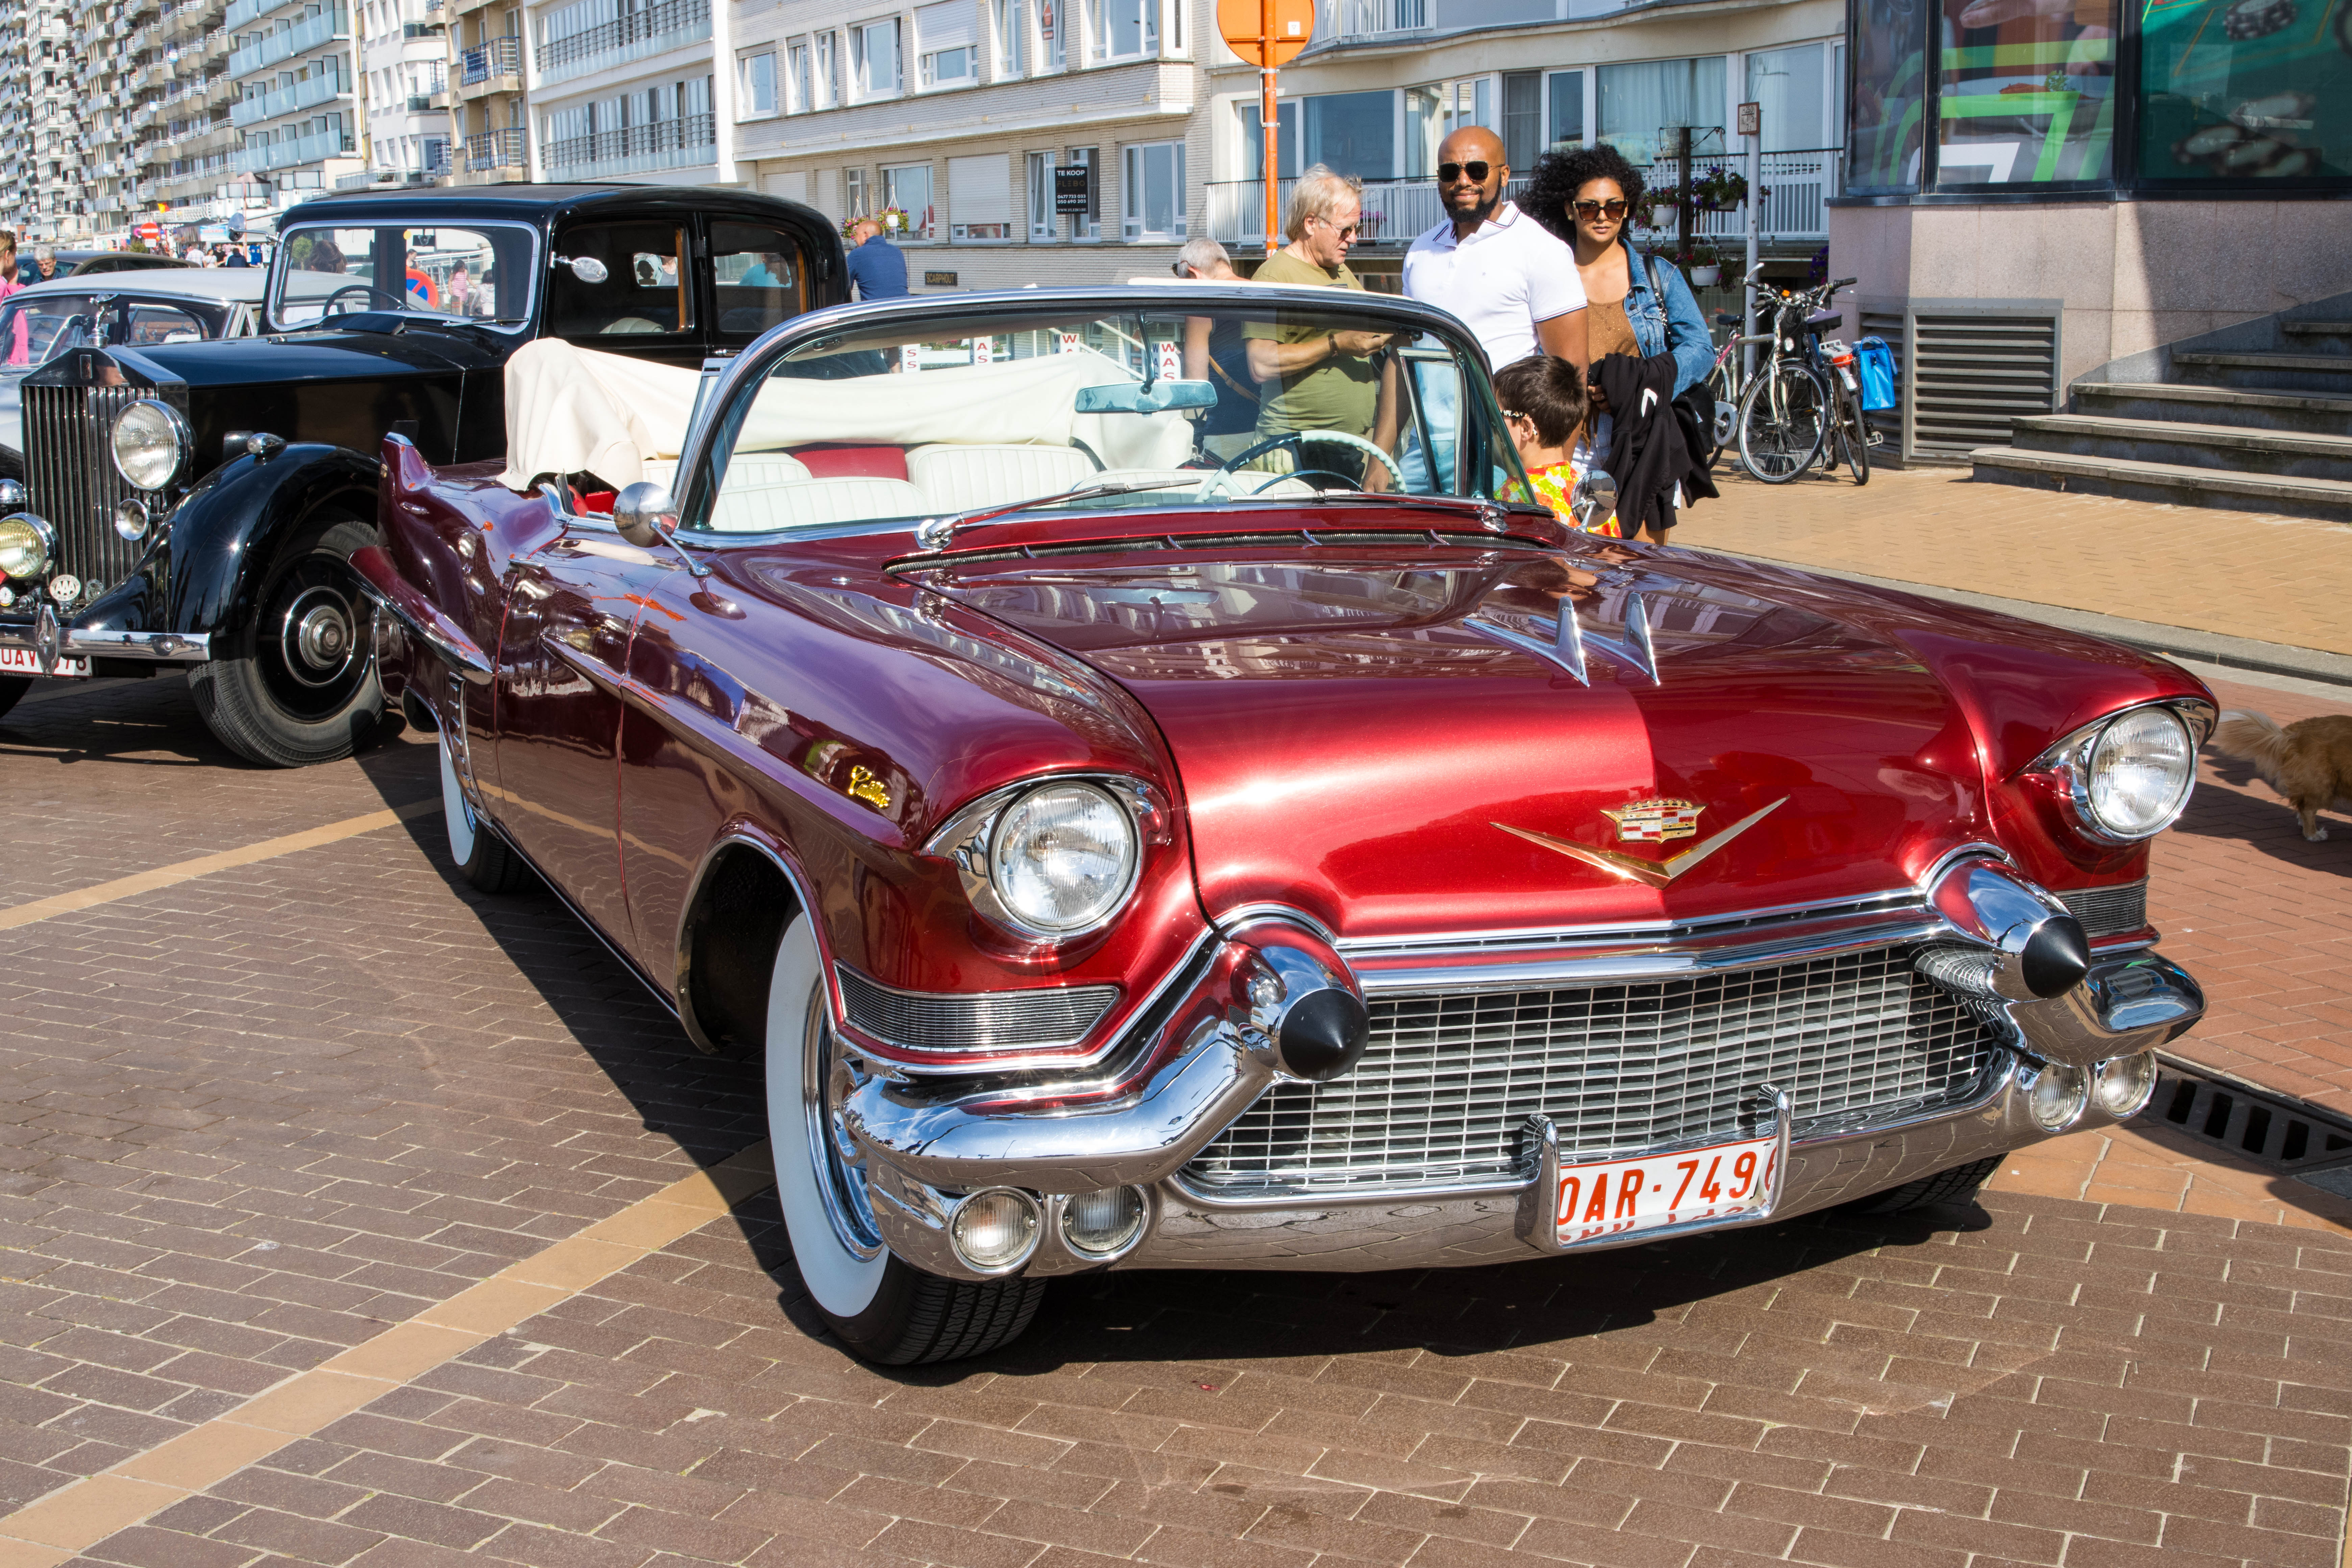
pixel 1636 302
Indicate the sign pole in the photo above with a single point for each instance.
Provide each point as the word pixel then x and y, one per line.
pixel 1752 126
pixel 1270 116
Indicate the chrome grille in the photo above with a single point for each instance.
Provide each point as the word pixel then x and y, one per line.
pixel 977 1021
pixel 2109 912
pixel 1442 1092
pixel 69 471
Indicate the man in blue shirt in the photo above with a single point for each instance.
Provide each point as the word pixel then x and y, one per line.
pixel 874 264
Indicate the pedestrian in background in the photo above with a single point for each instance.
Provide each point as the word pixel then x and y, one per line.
pixel 9 282
pixel 1309 378
pixel 1215 352
pixel 876 265
pixel 1637 302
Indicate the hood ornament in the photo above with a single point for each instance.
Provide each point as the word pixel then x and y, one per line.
pixel 1634 651
pixel 1648 821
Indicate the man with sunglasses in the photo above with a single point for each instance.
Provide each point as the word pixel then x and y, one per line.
pixel 1509 280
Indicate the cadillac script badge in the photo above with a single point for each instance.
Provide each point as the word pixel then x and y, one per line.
pixel 1655 821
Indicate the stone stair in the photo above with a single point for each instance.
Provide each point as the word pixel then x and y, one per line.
pixel 2266 429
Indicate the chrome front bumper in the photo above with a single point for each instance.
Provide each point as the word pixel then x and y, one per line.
pixel 1207 1055
pixel 48 641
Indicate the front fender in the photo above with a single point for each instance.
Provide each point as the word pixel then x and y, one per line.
pixel 226 531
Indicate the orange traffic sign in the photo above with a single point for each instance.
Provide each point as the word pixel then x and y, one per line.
pixel 1243 23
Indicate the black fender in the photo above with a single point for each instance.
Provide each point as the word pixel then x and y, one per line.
pixel 207 572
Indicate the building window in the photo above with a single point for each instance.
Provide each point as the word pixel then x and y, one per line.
pixel 1008 30
pixel 858 196
pixel 1787 85
pixel 979 197
pixel 873 58
pixel 908 189
pixel 2214 105
pixel 947 52
pixel 2031 101
pixel 1053 30
pixel 1123 29
pixel 1522 118
pixel 1566 126
pixel 1151 186
pixel 1286 116
pixel 796 80
pixel 1043 223
pixel 827 91
pixel 1641 104
pixel 1089 226
pixel 758 80
pixel 1353 133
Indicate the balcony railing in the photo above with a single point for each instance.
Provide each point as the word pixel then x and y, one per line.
pixel 309 34
pixel 492 57
pixel 285 101
pixel 315 148
pixel 668 25
pixel 634 150
pixel 240 12
pixel 1797 186
pixel 486 149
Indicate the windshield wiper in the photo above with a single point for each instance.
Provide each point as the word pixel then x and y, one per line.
pixel 938 532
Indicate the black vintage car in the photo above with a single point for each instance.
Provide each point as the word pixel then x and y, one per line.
pixel 194 504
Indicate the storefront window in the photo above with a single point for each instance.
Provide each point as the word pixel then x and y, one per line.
pixel 1889 96
pixel 2245 90
pixel 2027 94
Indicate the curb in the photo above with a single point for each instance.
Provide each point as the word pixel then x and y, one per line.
pixel 2149 637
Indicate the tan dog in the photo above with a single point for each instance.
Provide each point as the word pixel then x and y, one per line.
pixel 2309 761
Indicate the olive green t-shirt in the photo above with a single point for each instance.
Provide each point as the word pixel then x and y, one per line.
pixel 1342 392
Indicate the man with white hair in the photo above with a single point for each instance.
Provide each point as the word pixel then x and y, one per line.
pixel 1215 352
pixel 1311 378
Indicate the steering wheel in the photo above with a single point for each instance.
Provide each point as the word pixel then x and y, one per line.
pixel 362 289
pixel 1273 479
pixel 1295 439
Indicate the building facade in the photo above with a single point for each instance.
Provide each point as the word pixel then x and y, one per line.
pixel 44 97
pixel 488 110
pixel 404 87
pixel 297 104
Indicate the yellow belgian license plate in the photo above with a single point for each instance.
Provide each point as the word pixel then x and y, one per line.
pixel 20 661
pixel 1612 1197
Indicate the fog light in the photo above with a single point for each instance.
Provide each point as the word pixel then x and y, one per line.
pixel 1103 1223
pixel 994 1229
pixel 131 520
pixel 2058 1097
pixel 2125 1084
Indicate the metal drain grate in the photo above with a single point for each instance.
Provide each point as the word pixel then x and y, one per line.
pixel 2266 1127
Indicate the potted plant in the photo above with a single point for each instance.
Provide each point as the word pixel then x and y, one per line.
pixel 1719 189
pixel 1702 266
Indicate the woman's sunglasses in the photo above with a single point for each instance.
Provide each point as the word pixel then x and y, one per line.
pixel 1600 209
pixel 1449 173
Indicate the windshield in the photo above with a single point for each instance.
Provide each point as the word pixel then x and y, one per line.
pixel 35 329
pixel 479 274
pixel 1182 404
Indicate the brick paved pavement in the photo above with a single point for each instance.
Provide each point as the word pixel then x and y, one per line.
pixel 249 1120
pixel 2248 574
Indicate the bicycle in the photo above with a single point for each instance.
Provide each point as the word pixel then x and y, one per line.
pixel 1804 405
pixel 1727 379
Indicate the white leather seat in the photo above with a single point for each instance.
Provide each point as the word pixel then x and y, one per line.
pixel 747 470
pixel 810 503
pixel 957 477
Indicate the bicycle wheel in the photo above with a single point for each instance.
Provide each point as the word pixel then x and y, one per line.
pixel 1725 383
pixel 1856 439
pixel 1782 421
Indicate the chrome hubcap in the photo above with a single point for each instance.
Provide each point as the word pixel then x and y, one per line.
pixel 317 639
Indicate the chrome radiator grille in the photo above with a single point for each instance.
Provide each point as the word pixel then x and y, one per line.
pixel 69 471
pixel 2109 912
pixel 1441 1094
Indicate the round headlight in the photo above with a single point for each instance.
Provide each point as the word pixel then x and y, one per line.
pixel 2138 776
pixel 2058 1096
pixel 1101 1223
pixel 151 442
pixel 2123 1085
pixel 1063 858
pixel 25 545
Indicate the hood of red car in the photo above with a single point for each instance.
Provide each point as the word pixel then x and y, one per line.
pixel 1399 745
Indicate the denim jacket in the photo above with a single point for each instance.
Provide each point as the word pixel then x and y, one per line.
pixel 1673 322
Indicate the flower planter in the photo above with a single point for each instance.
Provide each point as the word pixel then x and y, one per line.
pixel 1706 276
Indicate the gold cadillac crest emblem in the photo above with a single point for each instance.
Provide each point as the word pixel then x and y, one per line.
pixel 1655 821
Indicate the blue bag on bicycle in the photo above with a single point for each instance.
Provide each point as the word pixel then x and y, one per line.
pixel 1876 361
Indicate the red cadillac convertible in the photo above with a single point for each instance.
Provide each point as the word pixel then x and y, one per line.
pixel 1141 824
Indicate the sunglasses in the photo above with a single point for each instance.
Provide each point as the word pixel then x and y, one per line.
pixel 1449 173
pixel 1348 232
pixel 1600 209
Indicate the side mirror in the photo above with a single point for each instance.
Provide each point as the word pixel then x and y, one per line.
pixel 587 268
pixel 1595 498
pixel 644 514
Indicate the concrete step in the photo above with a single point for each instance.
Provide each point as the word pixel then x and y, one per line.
pixel 2174 483
pixel 2216 405
pixel 2316 328
pixel 2288 453
pixel 2326 373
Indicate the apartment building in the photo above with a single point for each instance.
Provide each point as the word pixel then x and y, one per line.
pixel 488 104
pixel 190 176
pixel 296 102
pixel 42 91
pixel 403 85
pixel 626 90
pixel 1014 141
pixel 1384 81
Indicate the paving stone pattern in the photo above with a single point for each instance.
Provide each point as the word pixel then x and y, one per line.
pixel 250 1120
